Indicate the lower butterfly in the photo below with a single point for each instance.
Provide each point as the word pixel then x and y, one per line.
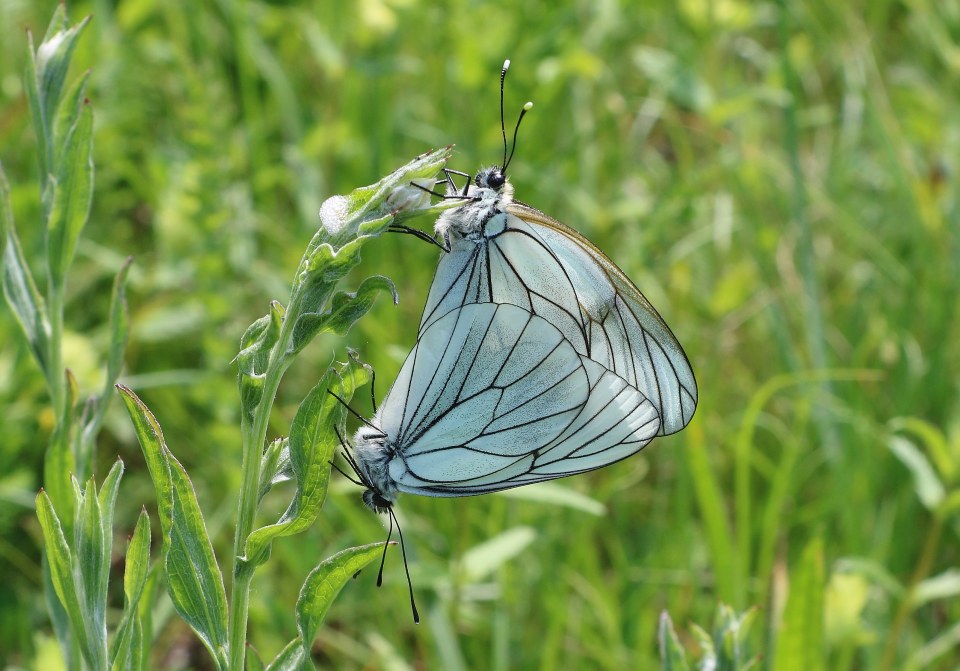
pixel 493 397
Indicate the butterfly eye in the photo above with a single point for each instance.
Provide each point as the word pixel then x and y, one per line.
pixel 496 180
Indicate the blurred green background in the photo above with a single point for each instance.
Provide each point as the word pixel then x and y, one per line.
pixel 779 179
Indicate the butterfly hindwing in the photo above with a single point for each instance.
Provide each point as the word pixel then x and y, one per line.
pixel 493 396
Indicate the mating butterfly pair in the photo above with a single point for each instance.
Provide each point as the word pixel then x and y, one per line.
pixel 536 358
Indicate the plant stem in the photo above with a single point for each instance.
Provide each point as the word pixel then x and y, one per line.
pixel 253 441
pixel 927 555
pixel 56 379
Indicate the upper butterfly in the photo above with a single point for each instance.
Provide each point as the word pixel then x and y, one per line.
pixel 499 250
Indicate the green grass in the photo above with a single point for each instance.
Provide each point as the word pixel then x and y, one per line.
pixel 780 182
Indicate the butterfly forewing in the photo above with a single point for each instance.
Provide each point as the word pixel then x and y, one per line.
pixel 548 268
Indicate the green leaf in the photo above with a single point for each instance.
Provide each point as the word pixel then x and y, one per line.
pixel 481 560
pixel 672 655
pixel 19 289
pixel 59 462
pixel 71 196
pixel 550 493
pixel 290 658
pixel 324 584
pixel 193 578
pixel 800 641
pixel 708 650
pixel 313 442
pixel 730 634
pixel 153 446
pixel 275 466
pixel 60 561
pixel 124 650
pixel 68 115
pixel 59 617
pixel 943 586
pixel 345 309
pixel 47 72
pixel 254 663
pixel 936 442
pixel 255 348
pixel 929 489
pixel 92 562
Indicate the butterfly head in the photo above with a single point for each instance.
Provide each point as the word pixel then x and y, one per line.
pixel 488 195
pixel 494 177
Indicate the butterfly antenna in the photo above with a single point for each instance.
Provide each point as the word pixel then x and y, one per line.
pixel 523 111
pixel 403 549
pixel 356 414
pixel 383 559
pixel 503 128
pixel 373 387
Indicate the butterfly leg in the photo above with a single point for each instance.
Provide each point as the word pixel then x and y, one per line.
pixel 448 173
pixel 400 228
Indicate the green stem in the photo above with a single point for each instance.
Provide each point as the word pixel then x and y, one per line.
pixel 927 555
pixel 57 379
pixel 253 440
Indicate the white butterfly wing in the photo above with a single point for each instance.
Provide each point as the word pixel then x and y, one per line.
pixel 548 268
pixel 494 397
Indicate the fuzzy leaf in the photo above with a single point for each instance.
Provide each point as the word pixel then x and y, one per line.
pixel 672 655
pixel 255 347
pixel 275 466
pixel 123 651
pixel 370 209
pixel 345 309
pixel 193 577
pixel 46 74
pixel 153 446
pixel 92 561
pixel 71 196
pixel 324 584
pixel 290 658
pixel 60 561
pixel 19 289
pixel 68 114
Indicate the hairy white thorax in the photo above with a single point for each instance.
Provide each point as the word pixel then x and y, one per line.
pixel 487 201
pixel 373 457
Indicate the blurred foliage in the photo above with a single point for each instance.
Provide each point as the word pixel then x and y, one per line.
pixel 780 180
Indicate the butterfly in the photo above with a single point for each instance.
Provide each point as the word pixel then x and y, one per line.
pixel 491 397
pixel 499 250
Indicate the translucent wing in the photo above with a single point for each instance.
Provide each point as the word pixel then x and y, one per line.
pixel 539 264
pixel 493 397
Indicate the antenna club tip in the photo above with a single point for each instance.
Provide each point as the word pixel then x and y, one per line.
pixel 506 64
pixel 528 106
